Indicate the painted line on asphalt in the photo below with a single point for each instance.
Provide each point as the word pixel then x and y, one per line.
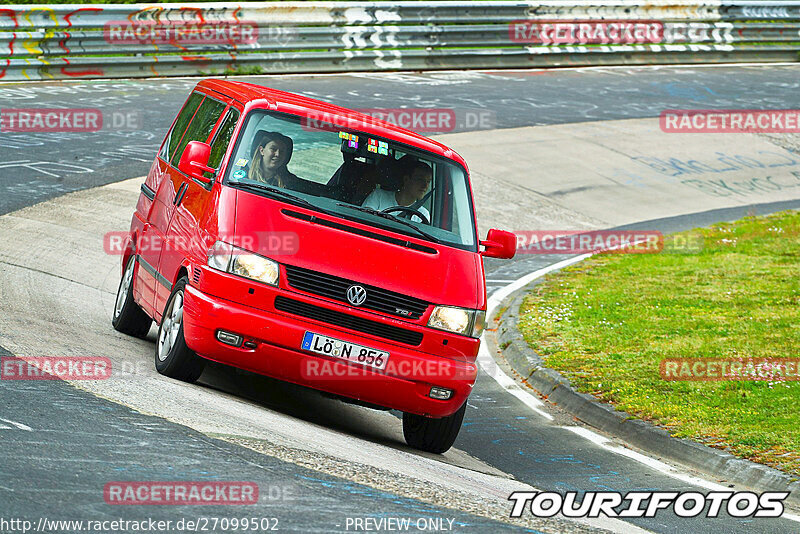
pixel 486 361
pixel 658 465
pixel 18 426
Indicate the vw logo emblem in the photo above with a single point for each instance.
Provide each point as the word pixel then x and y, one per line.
pixel 356 295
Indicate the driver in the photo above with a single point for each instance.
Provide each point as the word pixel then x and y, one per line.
pixel 416 178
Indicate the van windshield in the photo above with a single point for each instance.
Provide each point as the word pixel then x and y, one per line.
pixel 354 175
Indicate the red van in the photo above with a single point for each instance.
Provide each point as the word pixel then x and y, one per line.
pixel 312 244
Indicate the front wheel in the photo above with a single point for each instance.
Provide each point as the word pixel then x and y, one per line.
pixel 173 357
pixel 432 435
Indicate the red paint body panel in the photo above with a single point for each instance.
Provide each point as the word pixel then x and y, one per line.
pixel 191 223
pixel 278 354
pixel 219 285
pixel 439 278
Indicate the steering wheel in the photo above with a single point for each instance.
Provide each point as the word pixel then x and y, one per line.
pixel 410 211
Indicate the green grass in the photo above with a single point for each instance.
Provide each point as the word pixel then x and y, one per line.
pixel 607 323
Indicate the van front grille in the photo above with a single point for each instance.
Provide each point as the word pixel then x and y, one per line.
pixel 333 287
pixel 345 320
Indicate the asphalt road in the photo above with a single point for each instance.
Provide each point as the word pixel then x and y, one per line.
pixel 498 429
pixel 77 443
pixel 137 114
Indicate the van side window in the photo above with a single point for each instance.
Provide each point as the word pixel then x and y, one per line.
pixel 221 140
pixel 201 127
pixel 181 123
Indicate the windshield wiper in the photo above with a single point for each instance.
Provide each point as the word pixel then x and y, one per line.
pixel 391 217
pixel 274 191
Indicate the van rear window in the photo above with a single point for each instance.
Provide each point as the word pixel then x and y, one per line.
pixel 201 126
pixel 222 139
pixel 184 117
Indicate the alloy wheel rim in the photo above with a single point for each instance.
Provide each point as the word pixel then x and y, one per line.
pixel 170 326
pixel 122 293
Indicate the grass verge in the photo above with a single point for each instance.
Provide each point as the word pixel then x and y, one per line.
pixel 608 322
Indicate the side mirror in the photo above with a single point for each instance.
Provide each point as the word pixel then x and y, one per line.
pixel 194 161
pixel 499 244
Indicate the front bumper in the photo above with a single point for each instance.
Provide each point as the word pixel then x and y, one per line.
pixel 275 339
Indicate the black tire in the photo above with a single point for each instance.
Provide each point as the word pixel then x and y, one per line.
pixel 176 360
pixel 128 317
pixel 432 435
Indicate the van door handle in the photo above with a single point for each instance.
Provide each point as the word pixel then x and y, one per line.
pixel 148 192
pixel 181 191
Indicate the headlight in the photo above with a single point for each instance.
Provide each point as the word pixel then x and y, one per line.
pixel 255 267
pixel 219 256
pixel 459 320
pixel 225 257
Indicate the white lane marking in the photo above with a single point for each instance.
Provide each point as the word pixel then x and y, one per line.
pixel 19 426
pixel 659 466
pixel 489 366
pixel 498 296
pixel 486 361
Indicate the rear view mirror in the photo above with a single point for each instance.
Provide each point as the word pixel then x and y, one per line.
pixel 499 244
pixel 194 161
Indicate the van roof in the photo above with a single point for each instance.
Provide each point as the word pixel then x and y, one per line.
pixel 245 92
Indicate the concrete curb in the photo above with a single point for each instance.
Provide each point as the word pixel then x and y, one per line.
pixel 658 442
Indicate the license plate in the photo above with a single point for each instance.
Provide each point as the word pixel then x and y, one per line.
pixel 344 350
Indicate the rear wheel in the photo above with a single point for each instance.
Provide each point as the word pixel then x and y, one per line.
pixel 129 318
pixel 432 435
pixel 173 357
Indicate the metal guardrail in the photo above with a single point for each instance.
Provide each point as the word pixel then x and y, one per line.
pixel 41 42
